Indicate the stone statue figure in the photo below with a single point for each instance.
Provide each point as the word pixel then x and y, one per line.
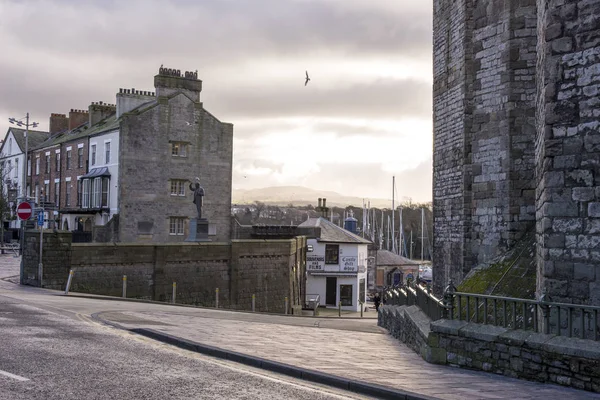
pixel 198 192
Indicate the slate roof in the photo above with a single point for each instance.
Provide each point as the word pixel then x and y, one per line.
pixel 387 258
pixel 330 232
pixel 35 138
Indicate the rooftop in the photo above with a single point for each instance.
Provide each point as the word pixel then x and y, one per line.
pixel 330 232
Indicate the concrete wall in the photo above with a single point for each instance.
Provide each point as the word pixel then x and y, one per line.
pixel 272 270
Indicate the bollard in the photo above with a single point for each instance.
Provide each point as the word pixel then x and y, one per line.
pixel 124 286
pixel 286 305
pixel 339 309
pixel 69 282
pixel 174 291
pixel 217 298
pixel 253 302
pixel 362 308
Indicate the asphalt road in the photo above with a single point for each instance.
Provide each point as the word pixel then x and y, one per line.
pixel 47 355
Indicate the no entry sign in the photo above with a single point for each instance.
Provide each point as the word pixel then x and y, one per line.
pixel 24 210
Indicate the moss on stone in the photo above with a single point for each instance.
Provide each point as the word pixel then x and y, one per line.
pixel 511 275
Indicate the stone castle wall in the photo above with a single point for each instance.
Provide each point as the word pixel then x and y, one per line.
pixel 568 151
pixel 515 148
pixel 269 269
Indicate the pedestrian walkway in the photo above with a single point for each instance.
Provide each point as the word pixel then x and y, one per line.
pixel 370 357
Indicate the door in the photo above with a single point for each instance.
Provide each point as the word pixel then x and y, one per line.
pixel 331 291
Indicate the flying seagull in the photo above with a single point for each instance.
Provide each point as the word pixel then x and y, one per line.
pixel 307 79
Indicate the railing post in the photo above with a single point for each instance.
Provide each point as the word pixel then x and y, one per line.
pixel 217 298
pixel 174 292
pixel 286 305
pixel 124 286
pixel 449 300
pixel 362 308
pixel 545 313
pixel 69 282
pixel 339 308
pixel 253 302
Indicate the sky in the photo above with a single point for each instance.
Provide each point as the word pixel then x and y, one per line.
pixel 364 117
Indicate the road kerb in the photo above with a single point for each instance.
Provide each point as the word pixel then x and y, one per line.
pixel 351 385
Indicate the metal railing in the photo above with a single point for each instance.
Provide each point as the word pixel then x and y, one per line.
pixel 541 316
pixel 414 294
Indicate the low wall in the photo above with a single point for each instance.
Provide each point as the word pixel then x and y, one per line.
pixel 516 353
pixel 270 269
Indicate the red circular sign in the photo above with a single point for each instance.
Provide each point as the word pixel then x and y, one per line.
pixel 24 210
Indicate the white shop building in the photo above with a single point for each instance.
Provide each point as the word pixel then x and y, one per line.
pixel 336 265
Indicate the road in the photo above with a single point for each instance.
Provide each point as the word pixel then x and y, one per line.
pixel 47 352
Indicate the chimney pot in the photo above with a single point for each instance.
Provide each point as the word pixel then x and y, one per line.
pixel 320 204
pixel 324 202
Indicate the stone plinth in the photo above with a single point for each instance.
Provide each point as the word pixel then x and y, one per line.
pixel 198 230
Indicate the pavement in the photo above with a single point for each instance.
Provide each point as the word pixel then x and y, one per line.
pixel 352 349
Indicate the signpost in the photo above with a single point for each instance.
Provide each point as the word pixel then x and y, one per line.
pixel 40 222
pixel 24 210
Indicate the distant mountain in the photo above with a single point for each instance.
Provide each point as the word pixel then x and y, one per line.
pixel 301 196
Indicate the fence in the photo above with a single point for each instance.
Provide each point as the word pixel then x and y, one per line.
pixel 541 316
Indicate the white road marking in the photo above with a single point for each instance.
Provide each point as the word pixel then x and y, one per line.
pixel 17 377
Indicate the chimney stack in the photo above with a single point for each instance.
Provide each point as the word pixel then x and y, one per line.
pixel 77 118
pixel 320 204
pixel 98 111
pixel 170 81
pixel 58 123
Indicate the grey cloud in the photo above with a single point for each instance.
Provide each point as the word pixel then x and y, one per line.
pixel 217 30
pixel 381 98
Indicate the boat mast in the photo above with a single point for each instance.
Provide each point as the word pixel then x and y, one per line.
pixel 422 232
pixel 393 230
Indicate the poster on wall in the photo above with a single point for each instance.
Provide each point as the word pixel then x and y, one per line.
pixel 349 264
pixel 315 263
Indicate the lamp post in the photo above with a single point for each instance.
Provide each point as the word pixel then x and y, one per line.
pixel 26 124
pixel 24 197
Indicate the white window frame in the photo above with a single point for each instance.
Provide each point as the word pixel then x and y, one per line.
pixel 93 154
pixel 37 165
pixel 107 152
pixel 85 194
pixel 177 187
pixel 16 168
pixel 176 226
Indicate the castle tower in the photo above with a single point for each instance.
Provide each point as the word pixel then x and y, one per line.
pixel 484 127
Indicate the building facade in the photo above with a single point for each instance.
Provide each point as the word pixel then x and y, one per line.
pixel 121 172
pixel 515 140
pixel 336 265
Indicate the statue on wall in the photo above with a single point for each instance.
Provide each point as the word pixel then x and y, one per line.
pixel 198 193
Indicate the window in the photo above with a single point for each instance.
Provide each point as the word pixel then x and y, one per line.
pixel 57 168
pixel 346 295
pixel 177 187
pixel 10 146
pixel 29 167
pixel 16 168
pixel 80 157
pixel 93 154
pixel 68 159
pixel 56 193
pixel 105 183
pixel 46 194
pixel 80 193
pixel 332 252
pixel 176 225
pixel 67 194
pixel 37 193
pixel 8 169
pixel 97 193
pixel 107 152
pixel 48 164
pixel 85 194
pixel 179 149
pixel 37 165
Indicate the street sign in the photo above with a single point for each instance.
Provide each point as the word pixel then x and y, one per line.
pixel 40 218
pixel 24 210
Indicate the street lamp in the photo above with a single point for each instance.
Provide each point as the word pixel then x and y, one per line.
pixel 26 124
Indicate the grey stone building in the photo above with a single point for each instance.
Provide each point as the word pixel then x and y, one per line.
pixel 516 133
pixel 165 142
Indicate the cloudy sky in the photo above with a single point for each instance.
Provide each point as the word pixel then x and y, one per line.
pixel 364 117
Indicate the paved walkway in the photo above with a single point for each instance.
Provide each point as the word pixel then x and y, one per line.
pixel 350 348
